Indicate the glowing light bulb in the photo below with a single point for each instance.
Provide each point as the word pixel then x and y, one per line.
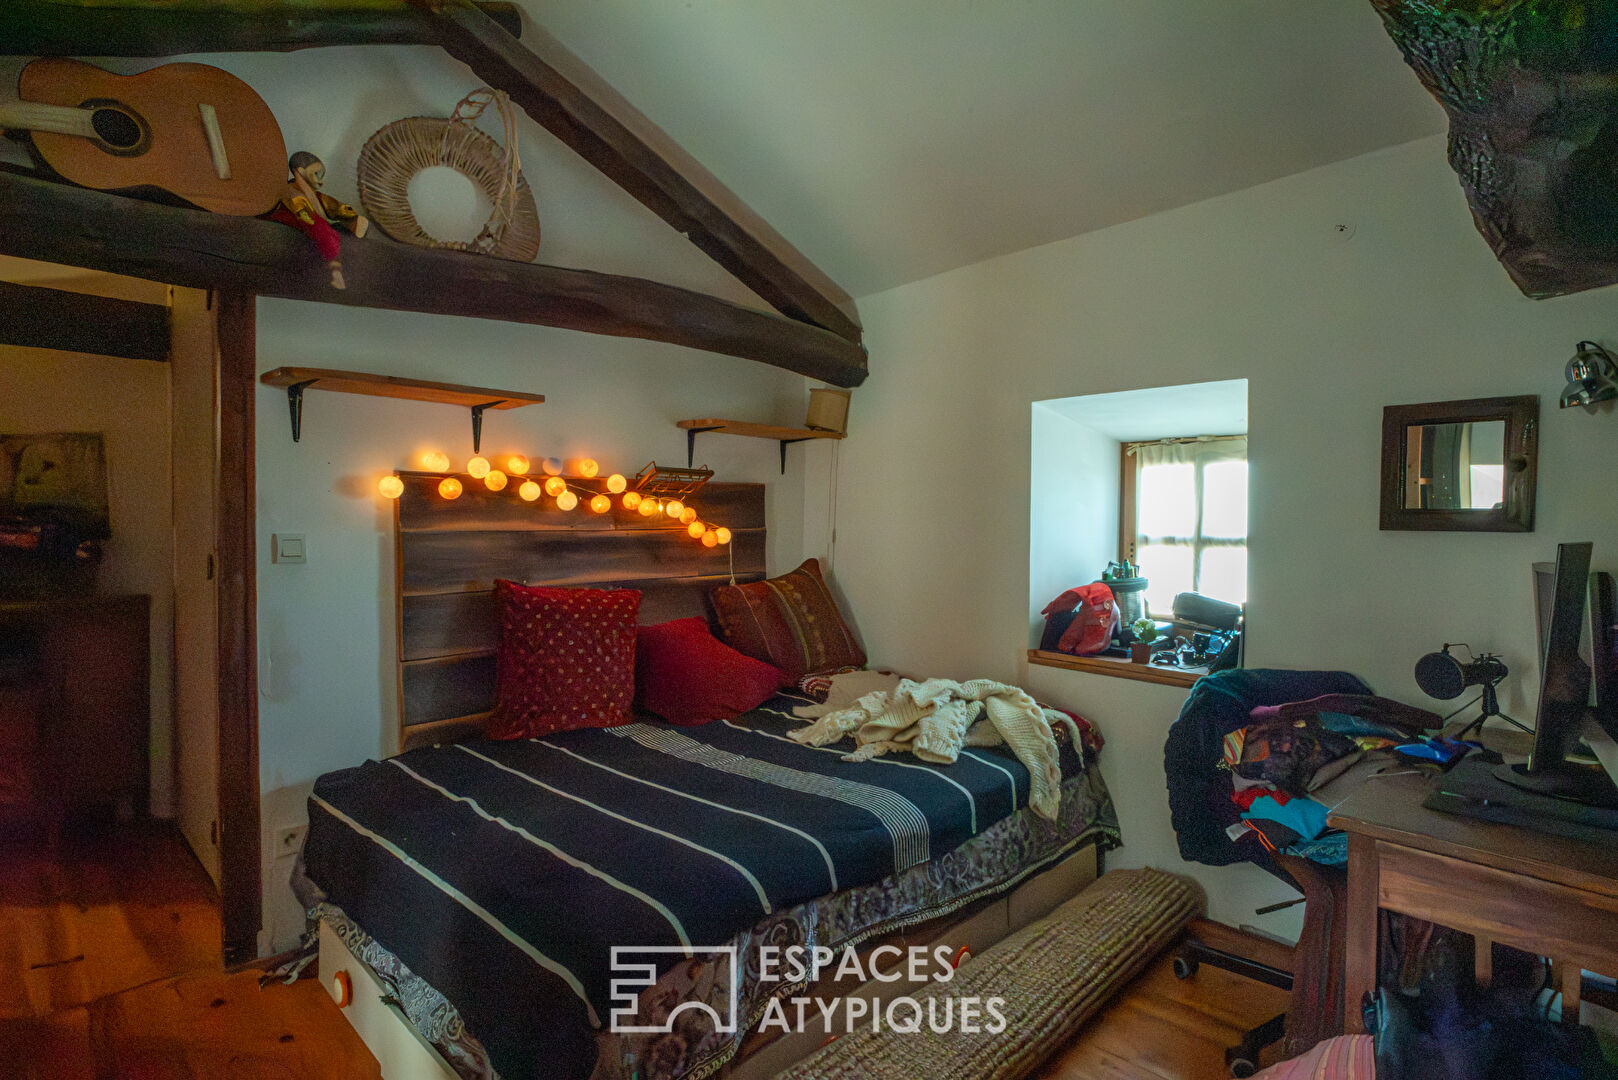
pixel 710 538
pixel 600 504
pixel 477 468
pixel 688 515
pixel 695 529
pixel 449 487
pixel 517 465
pixel 554 486
pixel 566 501
pixel 722 535
pixel 588 468
pixel 631 500
pixel 530 491
pixel 674 508
pixel 495 481
pixel 648 507
pixel 616 483
pixel 435 461
pixel 552 466
pixel 391 487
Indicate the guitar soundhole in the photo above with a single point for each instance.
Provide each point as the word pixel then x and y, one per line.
pixel 118 130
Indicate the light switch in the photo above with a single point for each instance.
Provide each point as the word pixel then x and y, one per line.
pixel 287 548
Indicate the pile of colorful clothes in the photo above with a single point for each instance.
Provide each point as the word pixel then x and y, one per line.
pixel 1293 763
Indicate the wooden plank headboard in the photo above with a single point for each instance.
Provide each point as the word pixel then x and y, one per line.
pixel 450 551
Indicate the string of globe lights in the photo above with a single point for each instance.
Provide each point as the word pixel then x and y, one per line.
pixel 658 490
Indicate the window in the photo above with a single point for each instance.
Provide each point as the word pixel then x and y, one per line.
pixel 1184 517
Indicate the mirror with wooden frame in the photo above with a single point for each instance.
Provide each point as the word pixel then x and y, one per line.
pixel 1460 466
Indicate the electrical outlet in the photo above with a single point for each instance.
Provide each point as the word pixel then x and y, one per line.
pixel 289 841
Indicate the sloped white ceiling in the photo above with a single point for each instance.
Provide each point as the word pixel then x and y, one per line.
pixel 891 140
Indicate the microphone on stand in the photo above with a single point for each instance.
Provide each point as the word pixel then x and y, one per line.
pixel 1442 676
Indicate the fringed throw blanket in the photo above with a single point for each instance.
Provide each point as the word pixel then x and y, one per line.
pixel 935 719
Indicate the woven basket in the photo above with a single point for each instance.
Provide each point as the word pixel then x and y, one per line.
pixel 1052 976
pixel 396 153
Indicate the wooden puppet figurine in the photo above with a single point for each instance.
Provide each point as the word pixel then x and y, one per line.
pixel 307 208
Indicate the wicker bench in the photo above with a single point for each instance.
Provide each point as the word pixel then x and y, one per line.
pixel 1052 976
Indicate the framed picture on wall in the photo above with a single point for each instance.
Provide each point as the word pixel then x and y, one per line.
pixel 60 479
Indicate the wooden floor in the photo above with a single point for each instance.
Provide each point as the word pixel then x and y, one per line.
pixel 110 969
pixel 115 906
pixel 1161 1028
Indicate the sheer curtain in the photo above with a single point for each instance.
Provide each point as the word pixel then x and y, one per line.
pixel 1191 519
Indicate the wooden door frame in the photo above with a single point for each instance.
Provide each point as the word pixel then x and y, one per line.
pixel 240 859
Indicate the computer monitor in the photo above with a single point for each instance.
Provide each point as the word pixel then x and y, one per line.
pixel 1578 686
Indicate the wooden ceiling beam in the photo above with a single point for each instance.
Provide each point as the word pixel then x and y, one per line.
pixel 40 219
pixel 42 318
pixel 56 28
pixel 556 89
pixel 571 102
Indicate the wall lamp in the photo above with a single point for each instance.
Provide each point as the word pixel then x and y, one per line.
pixel 1590 376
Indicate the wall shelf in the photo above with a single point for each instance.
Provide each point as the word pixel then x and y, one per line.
pixel 477 398
pixel 786 436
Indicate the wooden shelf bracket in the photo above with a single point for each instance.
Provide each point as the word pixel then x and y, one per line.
pixel 295 406
pixel 477 424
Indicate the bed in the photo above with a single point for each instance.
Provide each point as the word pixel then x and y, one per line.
pixel 481 886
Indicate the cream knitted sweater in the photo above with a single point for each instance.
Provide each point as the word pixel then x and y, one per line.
pixel 936 718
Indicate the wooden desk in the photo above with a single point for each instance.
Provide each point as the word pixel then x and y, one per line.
pixel 1545 894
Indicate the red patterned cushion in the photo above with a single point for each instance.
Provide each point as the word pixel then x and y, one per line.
pixel 687 676
pixel 791 622
pixel 567 659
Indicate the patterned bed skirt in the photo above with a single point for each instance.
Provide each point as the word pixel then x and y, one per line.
pixel 993 862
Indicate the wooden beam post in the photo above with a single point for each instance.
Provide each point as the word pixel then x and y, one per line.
pixel 240 870
pixel 559 92
pixel 42 318
pixel 55 222
pixel 59 28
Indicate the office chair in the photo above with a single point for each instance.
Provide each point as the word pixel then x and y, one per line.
pixel 1201 809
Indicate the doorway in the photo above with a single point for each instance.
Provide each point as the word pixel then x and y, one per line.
pixel 133 849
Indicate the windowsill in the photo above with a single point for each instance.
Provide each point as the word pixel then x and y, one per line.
pixel 1118 668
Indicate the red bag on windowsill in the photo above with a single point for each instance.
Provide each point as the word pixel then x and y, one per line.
pixel 1094 619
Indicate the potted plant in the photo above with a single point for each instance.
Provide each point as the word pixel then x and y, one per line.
pixel 1140 650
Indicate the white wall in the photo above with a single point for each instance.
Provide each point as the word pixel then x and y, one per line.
pixel 1073 508
pixel 43 390
pixel 1254 285
pixel 327 674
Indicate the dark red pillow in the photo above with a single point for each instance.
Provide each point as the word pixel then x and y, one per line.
pixel 687 676
pixel 567 659
pixel 791 622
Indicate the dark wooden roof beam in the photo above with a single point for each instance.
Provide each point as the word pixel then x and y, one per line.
pixel 42 318
pixel 554 87
pixel 571 102
pixel 56 28
pixel 40 219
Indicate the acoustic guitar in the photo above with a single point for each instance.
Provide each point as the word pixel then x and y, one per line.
pixel 193 131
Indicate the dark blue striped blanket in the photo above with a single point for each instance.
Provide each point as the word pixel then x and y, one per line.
pixel 503 873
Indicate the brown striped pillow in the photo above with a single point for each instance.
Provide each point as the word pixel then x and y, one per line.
pixel 790 621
